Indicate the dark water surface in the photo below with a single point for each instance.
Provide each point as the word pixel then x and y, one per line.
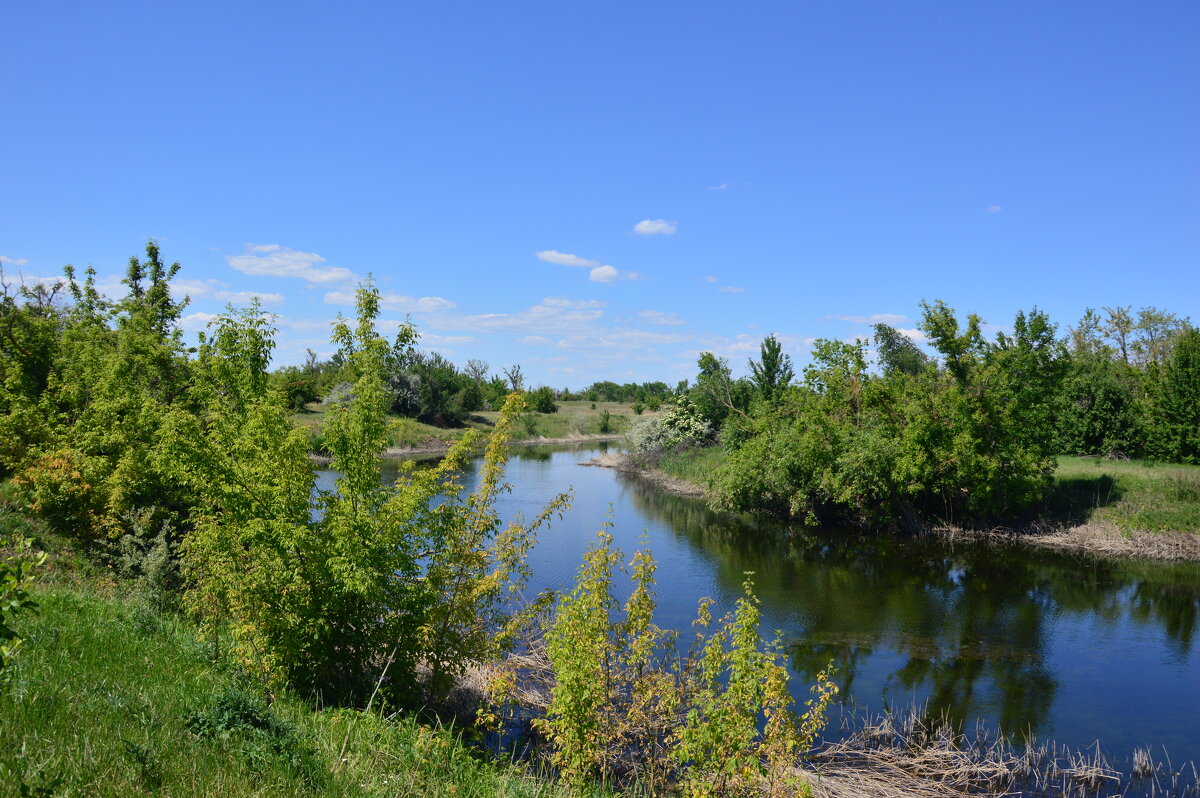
pixel 1061 646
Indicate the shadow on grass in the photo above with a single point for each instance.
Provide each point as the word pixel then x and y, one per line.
pixel 1072 500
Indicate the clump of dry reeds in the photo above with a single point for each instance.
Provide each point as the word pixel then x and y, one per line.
pixel 915 754
pixel 1095 539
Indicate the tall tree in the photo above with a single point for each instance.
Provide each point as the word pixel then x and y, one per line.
pixel 515 377
pixel 477 370
pixel 898 354
pixel 773 371
pixel 1179 402
pixel 1155 333
pixel 1119 329
pixel 713 394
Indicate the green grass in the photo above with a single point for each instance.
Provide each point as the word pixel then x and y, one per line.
pixel 694 465
pixel 110 699
pixel 1135 495
pixel 572 420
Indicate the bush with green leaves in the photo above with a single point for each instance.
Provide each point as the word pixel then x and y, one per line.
pixel 119 369
pixel 374 576
pixel 626 705
pixel 1176 412
pixel 542 400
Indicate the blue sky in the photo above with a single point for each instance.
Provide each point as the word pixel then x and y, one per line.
pixel 602 190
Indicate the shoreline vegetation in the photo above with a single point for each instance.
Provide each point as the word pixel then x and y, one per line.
pixel 1137 508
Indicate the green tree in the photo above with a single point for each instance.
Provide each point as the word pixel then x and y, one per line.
pixel 716 394
pixel 772 372
pixel 542 400
pixel 1178 408
pixel 898 354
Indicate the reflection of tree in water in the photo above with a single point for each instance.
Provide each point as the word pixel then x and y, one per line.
pixel 969 623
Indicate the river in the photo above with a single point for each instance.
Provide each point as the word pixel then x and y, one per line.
pixel 1059 646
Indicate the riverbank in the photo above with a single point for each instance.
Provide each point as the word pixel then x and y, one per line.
pixel 575 422
pixel 1117 508
pixel 436 448
pixel 113 696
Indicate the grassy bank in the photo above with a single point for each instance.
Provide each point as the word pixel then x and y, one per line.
pixel 694 465
pixel 113 699
pixel 573 420
pixel 1133 495
pixel 1096 496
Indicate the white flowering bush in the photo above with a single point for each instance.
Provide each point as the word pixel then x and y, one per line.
pixel 678 426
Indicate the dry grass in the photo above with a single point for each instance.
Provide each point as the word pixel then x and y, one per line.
pixel 1102 538
pixel 911 755
pixel 660 480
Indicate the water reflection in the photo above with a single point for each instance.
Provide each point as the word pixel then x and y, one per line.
pixel 969 628
pixel 1060 646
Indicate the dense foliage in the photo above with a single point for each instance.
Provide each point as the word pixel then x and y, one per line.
pixel 148 454
pixel 967 437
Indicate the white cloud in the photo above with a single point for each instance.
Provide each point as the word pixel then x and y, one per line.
pixel 536 340
pixel 245 297
pixel 567 302
pixel 891 319
pixel 732 289
pixel 653 227
pixel 721 187
pixel 215 289
pixel 565 258
pixel 193 322
pixel 433 339
pixel 389 300
pixel 272 260
pixel 608 274
pixel 624 339
pixel 659 317
pixel 553 315
pixel 13 261
pixel 994 209
pixel 603 274
pixel 305 324
pixel 711 279
pixel 195 288
pixel 915 334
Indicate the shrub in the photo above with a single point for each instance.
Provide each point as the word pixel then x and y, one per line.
pixel 542 400
pixel 626 704
pixel 60 488
pixel 679 425
pixel 373 576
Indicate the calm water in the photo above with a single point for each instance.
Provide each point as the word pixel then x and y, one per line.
pixel 1062 646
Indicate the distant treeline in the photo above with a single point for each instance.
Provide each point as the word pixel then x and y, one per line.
pixel 967 436
pixel 868 432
